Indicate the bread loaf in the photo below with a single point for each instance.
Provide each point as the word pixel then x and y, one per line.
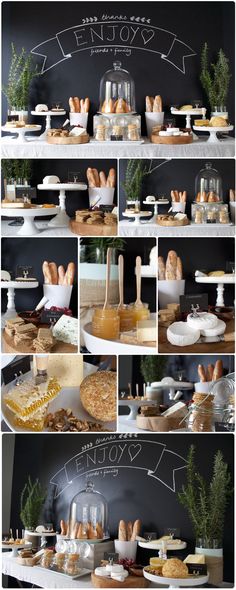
pixel 218 370
pixel 171 266
pixel 136 530
pixel 161 268
pixel 201 373
pixel 122 533
pixel 179 270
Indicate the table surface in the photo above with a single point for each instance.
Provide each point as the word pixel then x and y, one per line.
pixel 151 229
pixel 35 148
pixel 213 348
pixel 54 232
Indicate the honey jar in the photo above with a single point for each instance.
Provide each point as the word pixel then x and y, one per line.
pixel 140 312
pixel 106 323
pixel 127 318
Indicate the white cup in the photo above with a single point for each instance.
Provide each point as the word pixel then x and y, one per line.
pixel 202 387
pixel 126 549
pixel 153 119
pixel 169 292
pixel 57 295
pixel 79 119
pixel 178 207
pixel 105 194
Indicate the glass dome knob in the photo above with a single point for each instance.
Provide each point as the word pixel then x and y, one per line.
pixel 89 486
pixel 117 65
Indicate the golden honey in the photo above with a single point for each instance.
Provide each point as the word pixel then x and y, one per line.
pixel 140 313
pixel 127 318
pixel 106 323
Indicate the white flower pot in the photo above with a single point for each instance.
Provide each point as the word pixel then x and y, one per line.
pixel 57 295
pixel 126 549
pixel 23 115
pixel 79 119
pixel 169 292
pixel 178 207
pixel 153 119
pixel 210 552
pixel 106 195
pixel 201 387
pixel 154 394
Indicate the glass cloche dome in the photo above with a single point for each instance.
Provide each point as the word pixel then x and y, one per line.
pixel 208 185
pixel 88 515
pixel 117 91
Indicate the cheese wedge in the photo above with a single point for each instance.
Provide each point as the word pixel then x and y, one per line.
pixel 146 331
pixel 195 558
pixel 68 369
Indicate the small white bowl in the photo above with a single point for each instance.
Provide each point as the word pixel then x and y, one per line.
pixel 180 334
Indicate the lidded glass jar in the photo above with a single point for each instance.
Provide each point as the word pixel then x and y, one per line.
pixel 117 91
pixel 208 185
pixel 88 515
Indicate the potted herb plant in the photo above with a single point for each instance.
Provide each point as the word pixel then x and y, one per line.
pixel 215 80
pixel 206 502
pixel 153 369
pixel 135 173
pixel 15 173
pixel 31 502
pixel 22 71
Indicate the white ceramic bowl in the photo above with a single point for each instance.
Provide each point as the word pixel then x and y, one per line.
pixel 180 334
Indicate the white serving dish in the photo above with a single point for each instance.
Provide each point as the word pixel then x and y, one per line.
pixel 95 345
pixel 176 582
pixel 213 132
pixel 203 321
pixel 156 546
pixel 180 334
pixel 29 227
pixel 83 572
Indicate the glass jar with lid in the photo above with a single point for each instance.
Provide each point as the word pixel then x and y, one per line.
pixel 88 515
pixel 208 185
pixel 117 91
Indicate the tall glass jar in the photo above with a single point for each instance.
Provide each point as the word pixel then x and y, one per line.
pixel 208 185
pixel 117 91
pixel 88 514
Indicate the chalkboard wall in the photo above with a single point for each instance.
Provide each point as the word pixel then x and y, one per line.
pixel 176 78
pixel 130 491
pixel 201 254
pixel 32 252
pixel 177 174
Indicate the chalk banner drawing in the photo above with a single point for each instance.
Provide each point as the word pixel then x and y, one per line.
pixel 147 456
pixel 113 36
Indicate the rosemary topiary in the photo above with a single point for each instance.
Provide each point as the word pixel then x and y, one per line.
pixel 215 80
pixel 31 502
pixel 13 170
pixel 136 171
pixel 152 368
pixel 21 73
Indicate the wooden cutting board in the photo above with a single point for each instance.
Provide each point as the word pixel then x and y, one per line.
pixel 72 140
pixel 172 140
pixel 211 348
pixel 85 229
pixel 130 582
pixel 171 222
pixel 9 346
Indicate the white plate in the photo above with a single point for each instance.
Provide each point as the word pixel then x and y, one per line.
pixel 16 545
pixel 83 572
pixel 213 129
pixel 89 541
pixel 176 582
pixel 95 345
pixel 169 547
pixel 225 279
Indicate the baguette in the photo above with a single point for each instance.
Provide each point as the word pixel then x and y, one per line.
pixel 74 531
pixel 72 104
pixel 46 273
pixel 96 176
pixel 201 373
pixel 103 179
pixel 81 533
pixel 122 534
pixel 111 179
pixel 77 104
pixel 232 195
pixel 149 104
pixel 171 266
pixel 82 105
pixel 179 270
pixel 157 105
pixel 161 268
pixel 99 531
pixel 91 178
pixel 54 273
pixel 136 530
pixel 218 370
pixel 70 274
pixel 86 105
pixel 184 196
pixel 174 196
pixel 129 530
pixel 210 371
pixel 61 275
pixel 63 527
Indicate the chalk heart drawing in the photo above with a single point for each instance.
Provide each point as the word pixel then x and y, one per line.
pixel 134 451
pixel 147 35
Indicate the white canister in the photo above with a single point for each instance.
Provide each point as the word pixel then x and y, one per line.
pixel 105 194
pixel 79 119
pixel 126 549
pixel 57 295
pixel 169 292
pixel 178 207
pixel 153 119
pixel 203 387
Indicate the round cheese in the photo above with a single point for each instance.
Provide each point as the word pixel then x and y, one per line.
pixel 51 179
pixel 180 334
pixel 41 108
pixel 216 331
pixel 203 321
pixel 116 568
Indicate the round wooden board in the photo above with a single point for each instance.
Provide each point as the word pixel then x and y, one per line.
pixel 171 223
pixel 9 346
pixel 172 140
pixel 130 582
pixel 85 229
pixel 68 140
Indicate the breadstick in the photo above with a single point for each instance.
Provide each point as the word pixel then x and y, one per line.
pixel 70 274
pixel 82 105
pixel 61 275
pixel 136 529
pixel 91 178
pixel 46 273
pixel 149 104
pixel 122 535
pixel 111 179
pixel 74 531
pixel 218 370
pixel 67 528
pixel 129 530
pixel 96 176
pixel 72 104
pixel 210 371
pixel 63 527
pixel 77 104
pixel 179 270
pixel 99 530
pixel 86 105
pixel 91 533
pixel 161 268
pixel 184 196
pixel 171 266
pixel 201 373
pixel 103 179
pixel 157 105
pixel 54 273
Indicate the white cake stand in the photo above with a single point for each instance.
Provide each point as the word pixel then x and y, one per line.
pixel 156 203
pixel 62 219
pixel 21 131
pixel 11 286
pixel 188 114
pixel 14 548
pixel 176 582
pixel 137 216
pixel 48 115
pixel 213 132
pixel 157 546
pixel 29 228
pixel 227 279
pixel 134 405
pixel 173 386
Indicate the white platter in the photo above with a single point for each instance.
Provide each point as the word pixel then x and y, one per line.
pixel 21 131
pixel 176 582
pixel 157 546
pixel 88 541
pixel 227 279
pixel 29 227
pixel 84 571
pixel 15 548
pixel 65 186
pixel 95 345
pixel 213 132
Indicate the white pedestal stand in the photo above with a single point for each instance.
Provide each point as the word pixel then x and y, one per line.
pixel 15 548
pixel 156 203
pixel 213 132
pixel 188 115
pixel 133 406
pixel 11 286
pixel 227 279
pixel 47 115
pixel 62 219
pixel 29 227
pixel 20 132
pixel 137 216
pixel 176 582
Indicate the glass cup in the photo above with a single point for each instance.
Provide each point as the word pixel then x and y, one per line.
pixel 127 318
pixel 140 312
pixel 106 323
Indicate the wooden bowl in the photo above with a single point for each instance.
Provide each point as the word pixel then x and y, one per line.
pixel 73 140
pixel 172 140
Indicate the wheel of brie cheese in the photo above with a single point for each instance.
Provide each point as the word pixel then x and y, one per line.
pixel 218 330
pixel 51 179
pixel 181 334
pixel 41 108
pixel 203 321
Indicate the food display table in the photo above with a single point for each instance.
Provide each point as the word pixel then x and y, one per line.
pixel 227 279
pixel 11 286
pixel 35 148
pixel 29 228
pixel 62 219
pixel 47 115
pixel 222 347
pixel 151 229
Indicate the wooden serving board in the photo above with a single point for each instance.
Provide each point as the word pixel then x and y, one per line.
pixel 9 346
pixel 129 582
pixel 226 347
pixel 172 140
pixel 85 229
pixel 68 140
pixel 172 223
pixel 159 423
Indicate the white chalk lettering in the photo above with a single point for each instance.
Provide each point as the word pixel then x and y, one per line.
pixel 79 36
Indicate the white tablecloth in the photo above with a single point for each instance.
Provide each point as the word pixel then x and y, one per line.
pixel 151 229
pixel 35 148
pixel 45 232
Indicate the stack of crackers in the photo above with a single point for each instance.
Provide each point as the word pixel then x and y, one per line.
pixel 95 217
pixel 202 415
pixel 169 315
pixel 21 332
pixel 44 341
